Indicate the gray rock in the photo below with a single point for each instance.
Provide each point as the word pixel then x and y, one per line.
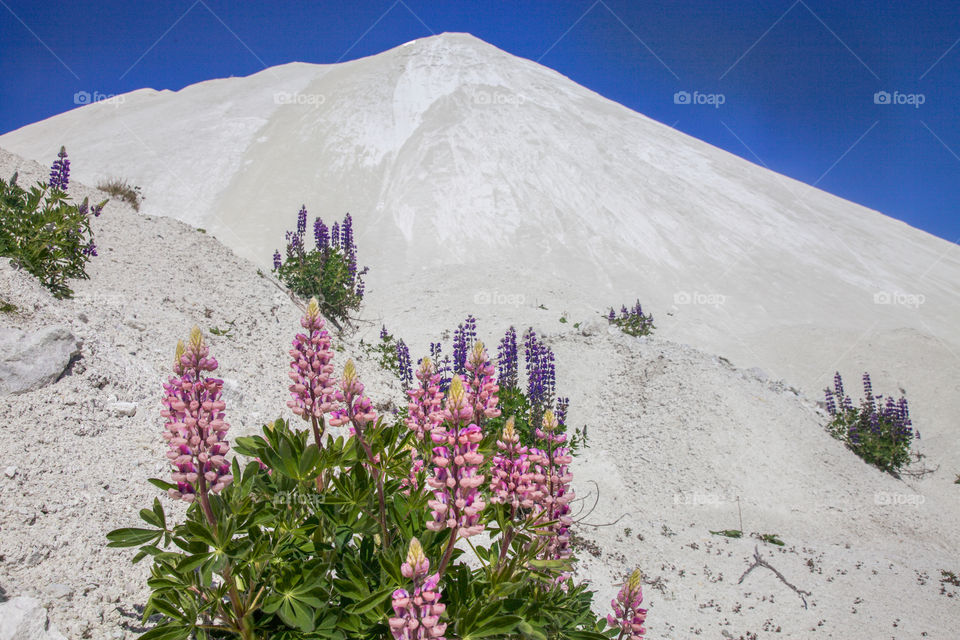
pixel 759 374
pixel 23 618
pixel 128 409
pixel 59 590
pixel 593 327
pixel 30 360
pixel 10 472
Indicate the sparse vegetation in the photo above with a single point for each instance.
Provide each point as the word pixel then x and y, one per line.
pixel 7 307
pixel 44 232
pixel 632 321
pixel 123 190
pixel 728 533
pixel 328 272
pixel 879 430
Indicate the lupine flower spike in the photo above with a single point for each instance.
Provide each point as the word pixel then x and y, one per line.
pixel 195 428
pixel 417 615
pixel 627 614
pixel 482 385
pixel 311 365
pixel 511 482
pixel 423 410
pixel 456 477
pixel 60 171
pixel 555 480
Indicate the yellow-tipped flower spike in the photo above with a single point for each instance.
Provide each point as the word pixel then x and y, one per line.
pixel 549 420
pixel 509 432
pixel 635 580
pixel 415 553
pixel 455 396
pixel 476 354
pixel 426 366
pixel 349 371
pixel 196 339
pixel 313 309
pixel 181 349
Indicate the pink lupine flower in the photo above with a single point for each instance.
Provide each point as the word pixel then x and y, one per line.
pixel 311 370
pixel 627 614
pixel 417 615
pixel 552 472
pixel 511 481
pixel 423 410
pixel 195 429
pixel 482 385
pixel 457 502
pixel 355 407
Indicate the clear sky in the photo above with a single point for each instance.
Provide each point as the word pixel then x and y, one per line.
pixel 859 97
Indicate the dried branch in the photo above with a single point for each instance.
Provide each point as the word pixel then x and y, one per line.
pixel 758 561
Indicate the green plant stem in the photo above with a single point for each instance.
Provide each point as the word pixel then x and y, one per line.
pixel 448 552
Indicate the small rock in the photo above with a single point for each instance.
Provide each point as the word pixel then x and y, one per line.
pixel 10 472
pixel 30 360
pixel 759 374
pixel 128 409
pixel 60 590
pixel 82 317
pixel 23 618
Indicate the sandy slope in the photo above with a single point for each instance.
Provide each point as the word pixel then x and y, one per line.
pixel 675 436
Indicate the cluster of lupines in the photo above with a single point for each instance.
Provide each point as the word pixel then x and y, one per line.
pixel 632 321
pixel 627 614
pixel 328 271
pixel 195 429
pixel 879 430
pixel 249 593
pixel 417 614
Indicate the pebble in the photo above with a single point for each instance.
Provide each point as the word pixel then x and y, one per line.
pixel 128 409
pixel 10 472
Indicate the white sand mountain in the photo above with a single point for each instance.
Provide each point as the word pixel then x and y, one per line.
pixel 475 177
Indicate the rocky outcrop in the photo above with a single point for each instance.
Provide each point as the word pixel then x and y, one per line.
pixel 30 360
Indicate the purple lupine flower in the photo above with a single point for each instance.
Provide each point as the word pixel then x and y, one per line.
pixel 838 384
pixel 384 334
pixel 541 374
pixel 457 502
pixel 346 234
pixel 507 360
pixel 463 338
pixel 627 614
pixel 277 260
pixel 404 364
pixel 90 249
pixel 335 235
pixel 562 405
pixel 417 615
pixel 60 171
pixel 442 364
pixel 868 392
pixel 302 222
pixel 195 429
pixel 311 368
pixel 831 402
pixel 321 235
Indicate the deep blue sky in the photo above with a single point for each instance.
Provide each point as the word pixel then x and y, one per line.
pixel 798 78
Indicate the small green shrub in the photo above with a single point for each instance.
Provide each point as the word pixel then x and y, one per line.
pixel 328 272
pixel 44 232
pixel 120 188
pixel 632 321
pixel 879 430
